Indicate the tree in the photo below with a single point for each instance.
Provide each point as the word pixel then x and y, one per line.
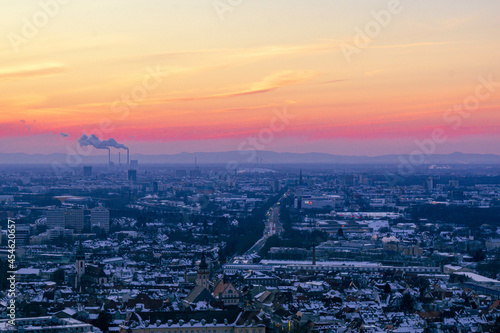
pixel 422 284
pixel 340 232
pixel 58 276
pixel 387 288
pixel 32 309
pixel 407 303
pixel 103 321
pixel 479 256
pixel 4 283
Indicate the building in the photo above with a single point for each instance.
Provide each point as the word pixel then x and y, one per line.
pixel 87 274
pixel 196 173
pixel 261 279
pixel 194 321
pixel 87 171
pixel 22 234
pixel 180 173
pixel 391 244
pixel 60 233
pixel 95 275
pixel 335 266
pixel 319 202
pixel 79 267
pixel 55 218
pixel 100 217
pixel 227 293
pixel 429 184
pixel 492 244
pixel 132 175
pixel 74 219
pixel 231 269
pixel 412 250
pixel 45 324
pixel 203 274
pixel 6 199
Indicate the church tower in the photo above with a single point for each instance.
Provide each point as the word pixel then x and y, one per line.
pixel 202 278
pixel 80 266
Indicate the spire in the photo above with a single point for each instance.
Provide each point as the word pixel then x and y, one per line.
pixel 203 263
pixel 80 255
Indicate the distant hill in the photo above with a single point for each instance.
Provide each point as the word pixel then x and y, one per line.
pixel 248 157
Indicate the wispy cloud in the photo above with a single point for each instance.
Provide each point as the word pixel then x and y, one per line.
pixel 249 52
pixel 374 72
pixel 394 46
pixel 32 70
pixel 333 81
pixel 457 22
pixel 269 83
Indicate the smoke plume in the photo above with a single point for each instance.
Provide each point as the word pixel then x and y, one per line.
pixel 94 141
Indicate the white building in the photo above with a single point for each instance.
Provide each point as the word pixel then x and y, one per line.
pixel 46 324
pixel 319 202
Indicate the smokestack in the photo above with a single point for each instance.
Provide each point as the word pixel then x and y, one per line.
pixel 128 158
pixel 109 156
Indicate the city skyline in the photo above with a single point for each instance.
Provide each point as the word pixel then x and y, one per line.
pixel 356 79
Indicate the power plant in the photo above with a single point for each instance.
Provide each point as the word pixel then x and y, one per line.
pixel 97 143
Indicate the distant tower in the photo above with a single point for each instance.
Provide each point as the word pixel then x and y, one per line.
pixel 300 177
pixel 87 171
pixel 202 277
pixel 80 266
pixel 314 255
pixel 429 184
pixel 132 175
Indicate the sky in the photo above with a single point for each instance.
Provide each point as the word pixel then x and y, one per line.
pixel 358 77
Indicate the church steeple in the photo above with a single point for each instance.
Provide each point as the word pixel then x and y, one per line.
pixel 203 276
pixel 79 265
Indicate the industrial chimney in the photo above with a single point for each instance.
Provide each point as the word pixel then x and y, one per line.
pixel 128 158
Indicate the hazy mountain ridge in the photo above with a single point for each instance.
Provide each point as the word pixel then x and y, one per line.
pixel 248 157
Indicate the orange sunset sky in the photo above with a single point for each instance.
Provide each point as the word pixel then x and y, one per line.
pixel 222 67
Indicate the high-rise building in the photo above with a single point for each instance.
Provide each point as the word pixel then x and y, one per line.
pixel 55 218
pixel 22 234
pixel 429 184
pixel 180 173
pixel 132 175
pixel 87 171
pixel 74 219
pixel 196 173
pixel 100 216
pixel 60 233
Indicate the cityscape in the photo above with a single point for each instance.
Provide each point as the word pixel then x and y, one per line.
pixel 294 248
pixel 237 166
